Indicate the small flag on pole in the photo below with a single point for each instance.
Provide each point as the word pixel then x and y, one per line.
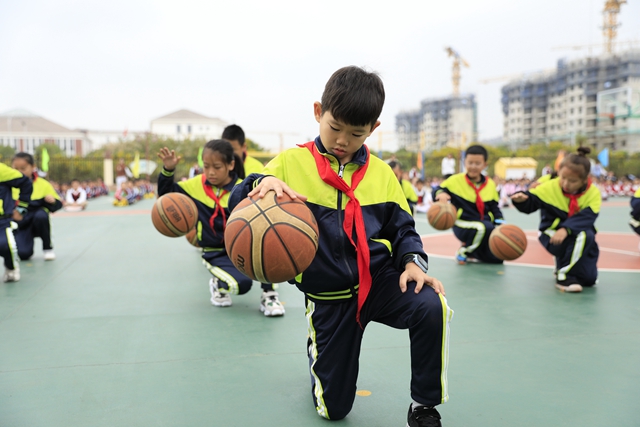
pixel 200 162
pixel 603 156
pixel 420 163
pixel 45 160
pixel 136 166
pixel 559 159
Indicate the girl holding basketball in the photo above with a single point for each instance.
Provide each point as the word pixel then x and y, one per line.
pixel 569 206
pixel 35 222
pixel 210 191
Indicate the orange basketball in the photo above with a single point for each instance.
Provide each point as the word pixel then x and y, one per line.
pixel 174 214
pixel 442 215
pixel 507 242
pixel 192 237
pixel 271 240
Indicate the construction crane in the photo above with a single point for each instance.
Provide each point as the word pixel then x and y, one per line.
pixel 610 12
pixel 457 60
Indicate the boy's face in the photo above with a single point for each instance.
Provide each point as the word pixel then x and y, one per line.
pixel 237 148
pixel 474 164
pixel 340 139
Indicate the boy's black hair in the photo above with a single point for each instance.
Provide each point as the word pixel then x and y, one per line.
pixel 233 133
pixel 478 149
pixel 74 179
pixel 24 156
pixel 354 96
pixel 578 162
pixel 394 163
pixel 224 148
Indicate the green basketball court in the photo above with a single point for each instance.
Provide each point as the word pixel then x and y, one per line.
pixel 119 331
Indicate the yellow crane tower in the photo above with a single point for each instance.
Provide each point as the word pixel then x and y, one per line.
pixel 610 12
pixel 457 59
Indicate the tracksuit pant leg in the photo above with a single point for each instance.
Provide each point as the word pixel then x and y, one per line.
pixel 475 238
pixel 8 246
pixel 335 337
pixel 229 278
pixel 576 257
pixel 34 224
pixel 42 228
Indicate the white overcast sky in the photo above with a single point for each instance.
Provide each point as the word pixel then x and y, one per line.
pixel 110 65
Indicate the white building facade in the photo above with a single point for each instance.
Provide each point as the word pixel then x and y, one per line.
pixel 24 131
pixel 185 124
pixel 439 122
pixel 563 104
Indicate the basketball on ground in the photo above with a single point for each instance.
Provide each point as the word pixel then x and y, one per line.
pixel 192 237
pixel 442 215
pixel 174 214
pixel 271 240
pixel 507 242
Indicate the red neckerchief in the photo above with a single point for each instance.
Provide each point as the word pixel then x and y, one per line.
pixel 574 208
pixel 479 201
pixel 352 216
pixel 35 176
pixel 212 195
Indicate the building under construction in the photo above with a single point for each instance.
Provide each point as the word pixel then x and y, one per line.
pixel 437 123
pixel 596 98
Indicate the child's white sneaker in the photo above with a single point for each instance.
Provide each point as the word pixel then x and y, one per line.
pixel 49 255
pixel 11 275
pixel 270 305
pixel 218 298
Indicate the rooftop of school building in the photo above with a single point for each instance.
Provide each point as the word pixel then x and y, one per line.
pixel 119 331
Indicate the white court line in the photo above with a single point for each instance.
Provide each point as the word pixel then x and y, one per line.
pixel 602 249
pixel 615 270
pixel 522 264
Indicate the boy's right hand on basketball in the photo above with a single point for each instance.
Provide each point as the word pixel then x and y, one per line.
pixel 271 183
pixel 169 158
pixel 443 197
pixel 519 197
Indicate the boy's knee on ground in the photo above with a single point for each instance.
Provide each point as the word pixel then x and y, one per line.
pixel 334 412
pixel 40 215
pixel 24 254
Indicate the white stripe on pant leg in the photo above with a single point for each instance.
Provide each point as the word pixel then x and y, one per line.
pixel 223 276
pixel 576 254
pixel 447 315
pixel 318 390
pixel 480 232
pixel 13 246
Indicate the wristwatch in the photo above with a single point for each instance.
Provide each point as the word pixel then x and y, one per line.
pixel 21 210
pixel 417 260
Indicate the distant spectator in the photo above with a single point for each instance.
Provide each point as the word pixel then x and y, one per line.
pixel 598 170
pixel 448 166
pixel 546 170
pixel 424 196
pixel 195 170
pixel 122 173
pixel 76 197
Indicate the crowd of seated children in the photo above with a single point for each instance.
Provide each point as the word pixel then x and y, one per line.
pixel 132 191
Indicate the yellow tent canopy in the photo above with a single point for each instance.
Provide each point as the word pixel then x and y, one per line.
pixel 516 167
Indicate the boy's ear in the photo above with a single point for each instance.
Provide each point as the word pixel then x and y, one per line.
pixel 317 111
pixel 376 124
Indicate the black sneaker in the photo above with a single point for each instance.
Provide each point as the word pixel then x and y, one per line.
pixel 423 416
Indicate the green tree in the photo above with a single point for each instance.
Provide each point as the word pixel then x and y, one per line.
pixel 6 153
